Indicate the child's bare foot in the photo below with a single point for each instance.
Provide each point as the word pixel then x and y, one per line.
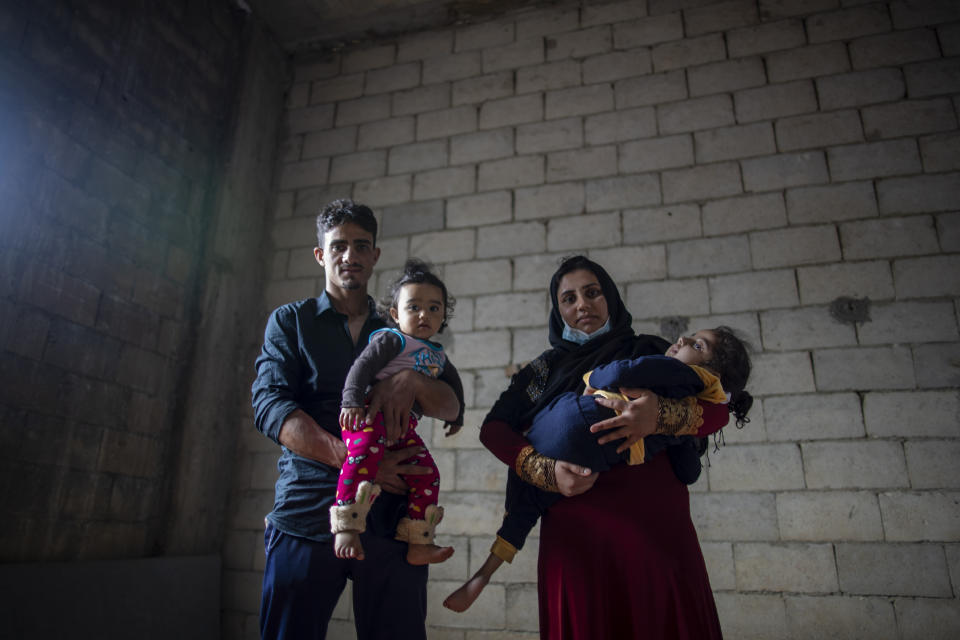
pixel 427 553
pixel 461 599
pixel 346 544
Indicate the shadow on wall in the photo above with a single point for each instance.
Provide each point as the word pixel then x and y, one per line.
pixel 154 598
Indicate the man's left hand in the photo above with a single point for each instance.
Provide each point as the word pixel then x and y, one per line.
pixel 394 397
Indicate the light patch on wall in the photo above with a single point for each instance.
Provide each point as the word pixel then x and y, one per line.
pixel 672 327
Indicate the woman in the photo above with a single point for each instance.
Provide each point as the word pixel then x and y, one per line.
pixel 619 558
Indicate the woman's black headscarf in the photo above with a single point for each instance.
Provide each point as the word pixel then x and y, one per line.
pixel 567 361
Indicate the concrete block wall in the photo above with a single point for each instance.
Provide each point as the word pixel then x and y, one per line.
pixel 790 168
pixel 137 148
pixel 113 119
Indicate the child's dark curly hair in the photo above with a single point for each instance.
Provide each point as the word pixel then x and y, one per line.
pixel 732 363
pixel 416 271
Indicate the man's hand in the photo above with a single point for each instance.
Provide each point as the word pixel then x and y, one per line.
pixel 302 435
pixel 638 418
pixel 572 479
pixel 393 397
pixel 388 475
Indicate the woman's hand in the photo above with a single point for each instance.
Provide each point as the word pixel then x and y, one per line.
pixel 572 479
pixel 637 419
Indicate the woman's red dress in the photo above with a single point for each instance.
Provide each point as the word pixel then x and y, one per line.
pixel 616 563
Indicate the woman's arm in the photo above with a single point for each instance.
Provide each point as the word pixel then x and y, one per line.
pixel 715 417
pixel 649 414
pixel 548 474
pixel 498 433
pixel 502 441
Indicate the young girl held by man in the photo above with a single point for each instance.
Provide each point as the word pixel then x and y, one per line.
pixel 419 307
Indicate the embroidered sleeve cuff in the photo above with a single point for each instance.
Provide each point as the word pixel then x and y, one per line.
pixel 536 469
pixel 526 452
pixel 679 417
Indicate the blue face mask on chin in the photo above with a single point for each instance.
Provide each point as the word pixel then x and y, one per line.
pixel 581 337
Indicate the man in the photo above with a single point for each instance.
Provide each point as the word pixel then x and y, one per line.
pixel 307 351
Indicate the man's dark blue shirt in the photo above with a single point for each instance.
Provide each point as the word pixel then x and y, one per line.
pixel 307 352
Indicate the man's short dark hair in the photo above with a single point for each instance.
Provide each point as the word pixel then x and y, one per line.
pixel 342 211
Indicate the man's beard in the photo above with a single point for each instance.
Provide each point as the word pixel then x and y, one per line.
pixel 350 282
